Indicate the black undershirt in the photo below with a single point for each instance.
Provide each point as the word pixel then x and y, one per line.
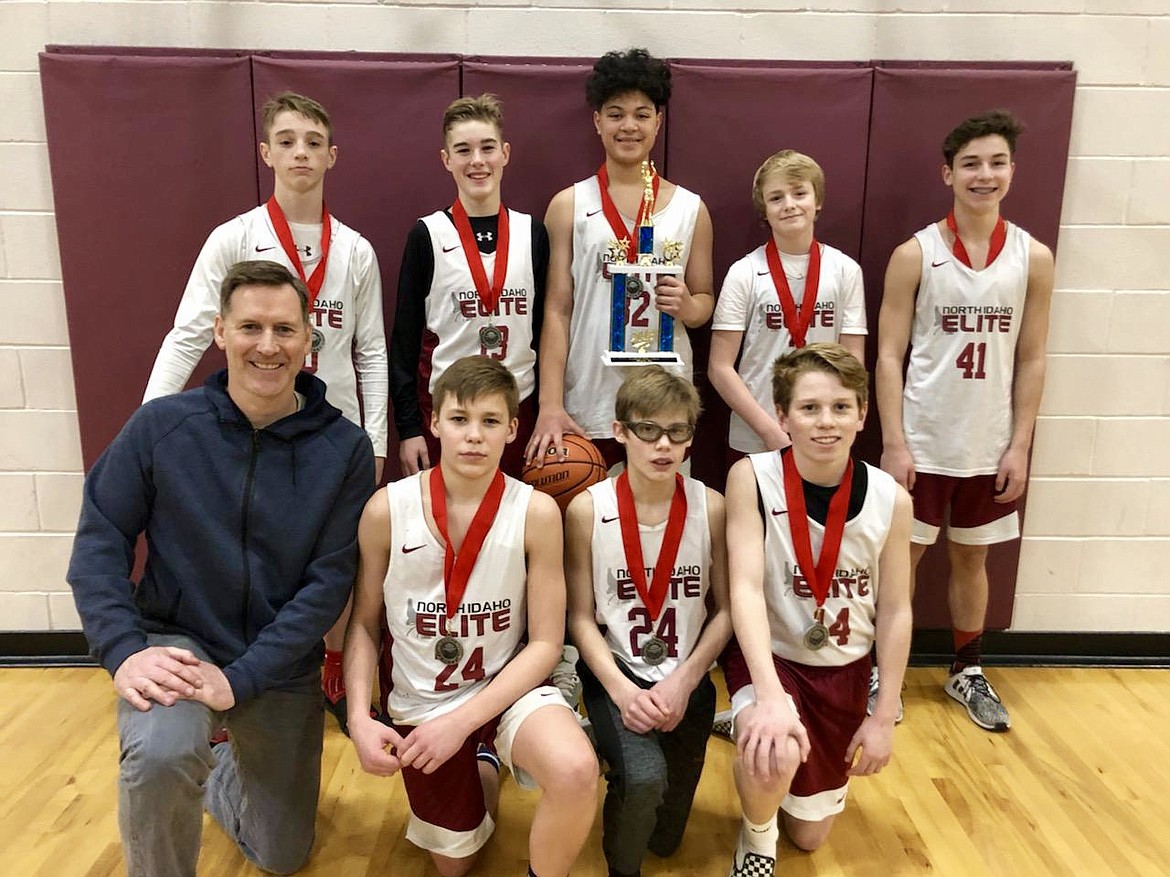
pixel 414 283
pixel 817 497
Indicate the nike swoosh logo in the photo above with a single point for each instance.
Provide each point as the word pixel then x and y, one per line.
pixel 937 264
pixel 260 249
pixel 778 512
pixel 594 213
pixel 406 550
pixel 606 520
pixel 763 273
pixel 450 249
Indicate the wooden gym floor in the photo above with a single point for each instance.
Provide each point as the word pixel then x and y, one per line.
pixel 1079 786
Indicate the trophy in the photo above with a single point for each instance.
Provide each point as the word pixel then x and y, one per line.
pixel 638 333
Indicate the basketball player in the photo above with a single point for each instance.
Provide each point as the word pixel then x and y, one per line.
pixel 782 295
pixel 472 282
pixel 645 554
pixel 970 295
pixel 820 571
pixel 341 271
pixel 628 91
pixel 467 564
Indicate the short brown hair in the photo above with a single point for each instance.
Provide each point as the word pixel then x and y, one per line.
pixel 821 356
pixel 795 167
pixel 485 108
pixel 1001 122
pixel 474 377
pixel 261 272
pixel 651 389
pixel 291 102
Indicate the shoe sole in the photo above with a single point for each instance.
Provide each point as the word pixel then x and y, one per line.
pixel 961 700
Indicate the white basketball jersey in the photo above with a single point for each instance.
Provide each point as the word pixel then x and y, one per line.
pixel 492 618
pixel 455 315
pixel 957 404
pixel 749 303
pixel 851 606
pixel 619 608
pixel 590 385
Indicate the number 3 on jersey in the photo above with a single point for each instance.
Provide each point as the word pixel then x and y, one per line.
pixel 971 361
pixel 667 632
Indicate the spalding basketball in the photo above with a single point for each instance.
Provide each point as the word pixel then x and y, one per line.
pixel 562 479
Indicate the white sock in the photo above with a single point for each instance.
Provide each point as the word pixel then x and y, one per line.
pixel 760 838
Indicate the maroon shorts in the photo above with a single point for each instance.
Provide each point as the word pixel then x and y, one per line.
pixel 966 505
pixel 452 797
pixel 831 704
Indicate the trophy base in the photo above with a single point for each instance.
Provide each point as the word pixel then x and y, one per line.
pixel 633 357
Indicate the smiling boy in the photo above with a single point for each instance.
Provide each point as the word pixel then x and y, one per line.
pixel 464 565
pixel 820 572
pixel 628 92
pixel 784 294
pixel 970 295
pixel 471 282
pixel 647 569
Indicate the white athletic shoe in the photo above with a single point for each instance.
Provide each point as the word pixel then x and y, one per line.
pixel 565 678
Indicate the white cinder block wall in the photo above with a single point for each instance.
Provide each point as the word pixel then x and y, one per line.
pixel 1097 542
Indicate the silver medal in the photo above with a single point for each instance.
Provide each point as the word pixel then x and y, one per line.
pixel 816 636
pixel 448 650
pixel 318 340
pixel 654 651
pixel 634 286
pixel 490 337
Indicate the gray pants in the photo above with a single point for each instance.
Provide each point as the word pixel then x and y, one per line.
pixel 651 778
pixel 261 787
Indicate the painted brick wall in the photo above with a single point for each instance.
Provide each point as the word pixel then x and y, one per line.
pixel 1097 542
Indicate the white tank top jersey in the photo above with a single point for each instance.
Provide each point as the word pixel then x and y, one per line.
pixel 851 606
pixel 957 404
pixel 590 385
pixel 455 314
pixel 749 303
pixel 619 608
pixel 492 619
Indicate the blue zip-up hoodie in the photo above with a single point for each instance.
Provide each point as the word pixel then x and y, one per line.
pixel 251 533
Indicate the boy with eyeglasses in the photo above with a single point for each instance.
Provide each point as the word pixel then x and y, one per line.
pixel 649 611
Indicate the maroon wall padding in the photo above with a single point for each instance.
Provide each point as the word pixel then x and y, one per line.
pixel 547 122
pixel 147 154
pixel 914 108
pixel 723 122
pixel 386 117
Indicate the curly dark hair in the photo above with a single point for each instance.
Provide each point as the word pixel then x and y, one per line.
pixel 1001 122
pixel 621 72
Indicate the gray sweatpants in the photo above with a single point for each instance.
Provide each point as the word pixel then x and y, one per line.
pixel 651 778
pixel 261 787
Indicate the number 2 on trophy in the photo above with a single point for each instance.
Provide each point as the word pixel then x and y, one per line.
pixel 639 304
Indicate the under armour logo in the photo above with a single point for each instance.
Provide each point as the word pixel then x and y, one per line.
pixel 308 251
pixel 483 235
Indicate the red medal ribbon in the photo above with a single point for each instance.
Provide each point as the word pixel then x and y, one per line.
pixel 284 235
pixel 616 223
pixel 488 295
pixel 994 246
pixel 457 567
pixel 654 595
pixel 796 323
pixel 819 575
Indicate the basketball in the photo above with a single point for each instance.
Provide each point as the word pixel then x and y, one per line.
pixel 564 479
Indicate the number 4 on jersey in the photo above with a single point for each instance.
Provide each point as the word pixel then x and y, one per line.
pixel 472 671
pixel 971 361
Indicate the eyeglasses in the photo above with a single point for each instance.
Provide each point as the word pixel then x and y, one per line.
pixel 649 431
